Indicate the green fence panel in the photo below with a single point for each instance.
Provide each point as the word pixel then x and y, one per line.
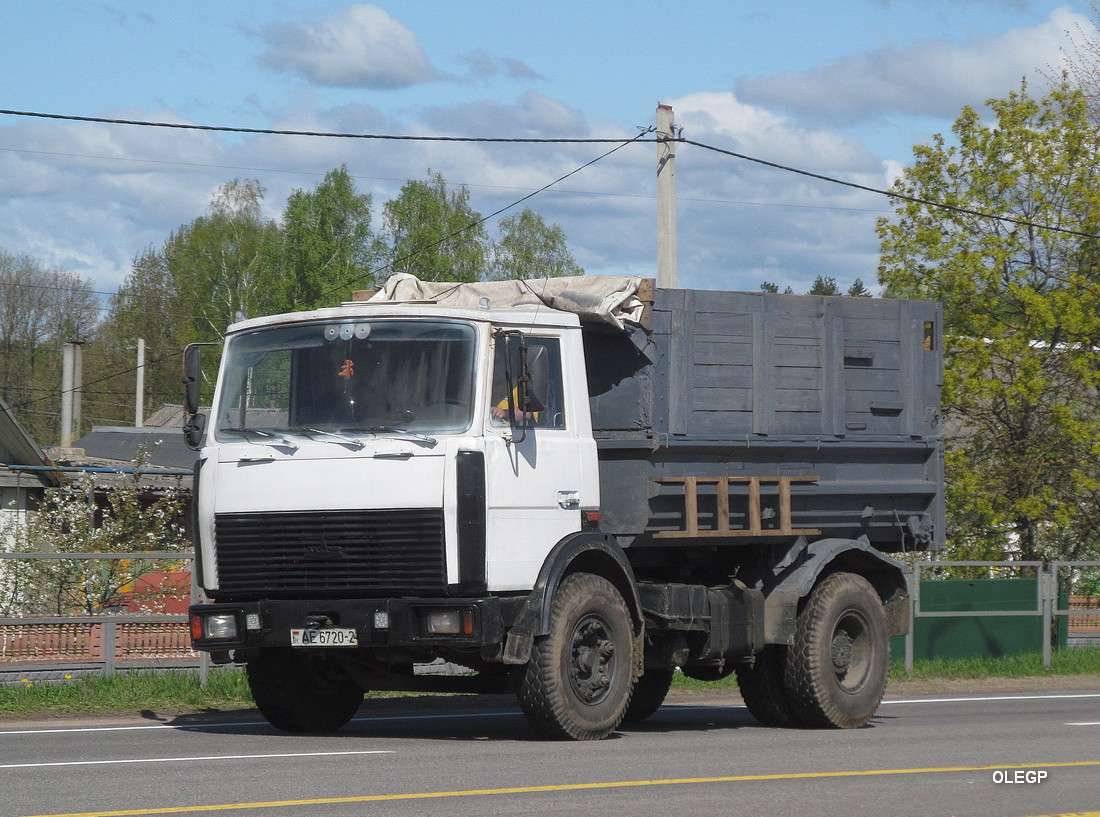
pixel 976 636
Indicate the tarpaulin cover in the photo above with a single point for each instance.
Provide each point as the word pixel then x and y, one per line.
pixel 606 298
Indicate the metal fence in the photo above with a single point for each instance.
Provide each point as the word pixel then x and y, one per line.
pixel 53 647
pixel 1046 608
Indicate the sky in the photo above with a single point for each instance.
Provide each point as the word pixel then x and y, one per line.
pixel 839 89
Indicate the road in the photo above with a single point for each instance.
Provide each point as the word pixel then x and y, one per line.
pixel 458 756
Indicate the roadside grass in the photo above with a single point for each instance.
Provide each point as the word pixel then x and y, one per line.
pixel 227 688
pixel 127 692
pixel 1075 661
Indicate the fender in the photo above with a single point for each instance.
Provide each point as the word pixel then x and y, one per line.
pixel 788 588
pixel 578 552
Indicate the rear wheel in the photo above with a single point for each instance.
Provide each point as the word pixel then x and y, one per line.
pixel 763 688
pixel 836 669
pixel 297 694
pixel 577 684
pixel 649 693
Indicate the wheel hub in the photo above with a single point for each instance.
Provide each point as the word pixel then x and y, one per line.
pixel 592 660
pixel 842 651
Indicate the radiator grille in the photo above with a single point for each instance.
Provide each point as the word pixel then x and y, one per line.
pixel 331 553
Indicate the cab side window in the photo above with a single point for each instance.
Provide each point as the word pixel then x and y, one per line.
pixel 553 416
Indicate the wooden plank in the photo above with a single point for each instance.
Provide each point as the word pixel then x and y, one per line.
pixel 723 509
pixel 754 506
pixel 784 504
pixel 691 506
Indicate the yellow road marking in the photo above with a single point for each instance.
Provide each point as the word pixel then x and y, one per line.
pixel 616 784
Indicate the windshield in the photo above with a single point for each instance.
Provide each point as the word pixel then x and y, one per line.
pixel 356 376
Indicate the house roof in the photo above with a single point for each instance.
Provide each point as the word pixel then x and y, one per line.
pixel 165 447
pixel 17 447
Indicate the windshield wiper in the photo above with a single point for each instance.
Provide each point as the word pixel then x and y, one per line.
pixel 338 438
pixel 390 430
pixel 244 432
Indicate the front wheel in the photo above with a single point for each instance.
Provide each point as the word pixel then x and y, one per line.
pixel 836 669
pixel 296 694
pixel 577 683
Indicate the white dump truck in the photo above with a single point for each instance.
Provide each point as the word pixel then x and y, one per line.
pixel 571 487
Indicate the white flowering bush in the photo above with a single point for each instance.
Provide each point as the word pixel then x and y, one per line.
pixel 127 517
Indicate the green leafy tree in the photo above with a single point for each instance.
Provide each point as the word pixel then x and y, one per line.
pixel 434 232
pixel 1022 318
pixel 528 247
pixel 147 306
pixel 328 244
pixel 773 288
pixel 824 285
pixel 224 262
pixel 858 290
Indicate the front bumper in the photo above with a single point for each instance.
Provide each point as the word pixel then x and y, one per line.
pixel 377 622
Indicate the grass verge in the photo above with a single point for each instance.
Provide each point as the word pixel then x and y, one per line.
pixel 228 689
pixel 127 692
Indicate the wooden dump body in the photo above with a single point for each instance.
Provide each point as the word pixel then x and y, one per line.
pixel 751 419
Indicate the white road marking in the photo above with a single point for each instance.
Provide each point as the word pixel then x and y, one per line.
pixel 222 724
pixel 1085 723
pixel 182 759
pixel 992 698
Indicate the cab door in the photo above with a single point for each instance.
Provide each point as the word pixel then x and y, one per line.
pixel 533 470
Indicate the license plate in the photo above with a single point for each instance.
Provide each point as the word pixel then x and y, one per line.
pixel 328 637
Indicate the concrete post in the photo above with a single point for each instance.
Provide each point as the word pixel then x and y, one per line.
pixel 68 369
pixel 139 390
pixel 666 198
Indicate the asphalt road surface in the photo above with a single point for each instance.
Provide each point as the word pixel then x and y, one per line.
pixel 1003 754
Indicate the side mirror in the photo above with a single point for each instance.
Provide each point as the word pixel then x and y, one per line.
pixel 193 430
pixel 192 377
pixel 194 423
pixel 534 378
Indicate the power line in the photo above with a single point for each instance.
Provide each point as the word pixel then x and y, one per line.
pixel 102 379
pixel 890 194
pixel 321 134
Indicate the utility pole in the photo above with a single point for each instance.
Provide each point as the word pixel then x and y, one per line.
pixel 139 396
pixel 72 375
pixel 78 385
pixel 666 197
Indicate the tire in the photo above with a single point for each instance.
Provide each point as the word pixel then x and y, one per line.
pixel 296 694
pixel 577 684
pixel 763 688
pixel 836 670
pixel 649 693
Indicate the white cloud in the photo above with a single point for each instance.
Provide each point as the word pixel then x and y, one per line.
pixel 930 77
pixel 482 66
pixel 362 47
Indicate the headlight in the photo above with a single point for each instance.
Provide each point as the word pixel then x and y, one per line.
pixel 444 622
pixel 220 625
pixel 449 622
